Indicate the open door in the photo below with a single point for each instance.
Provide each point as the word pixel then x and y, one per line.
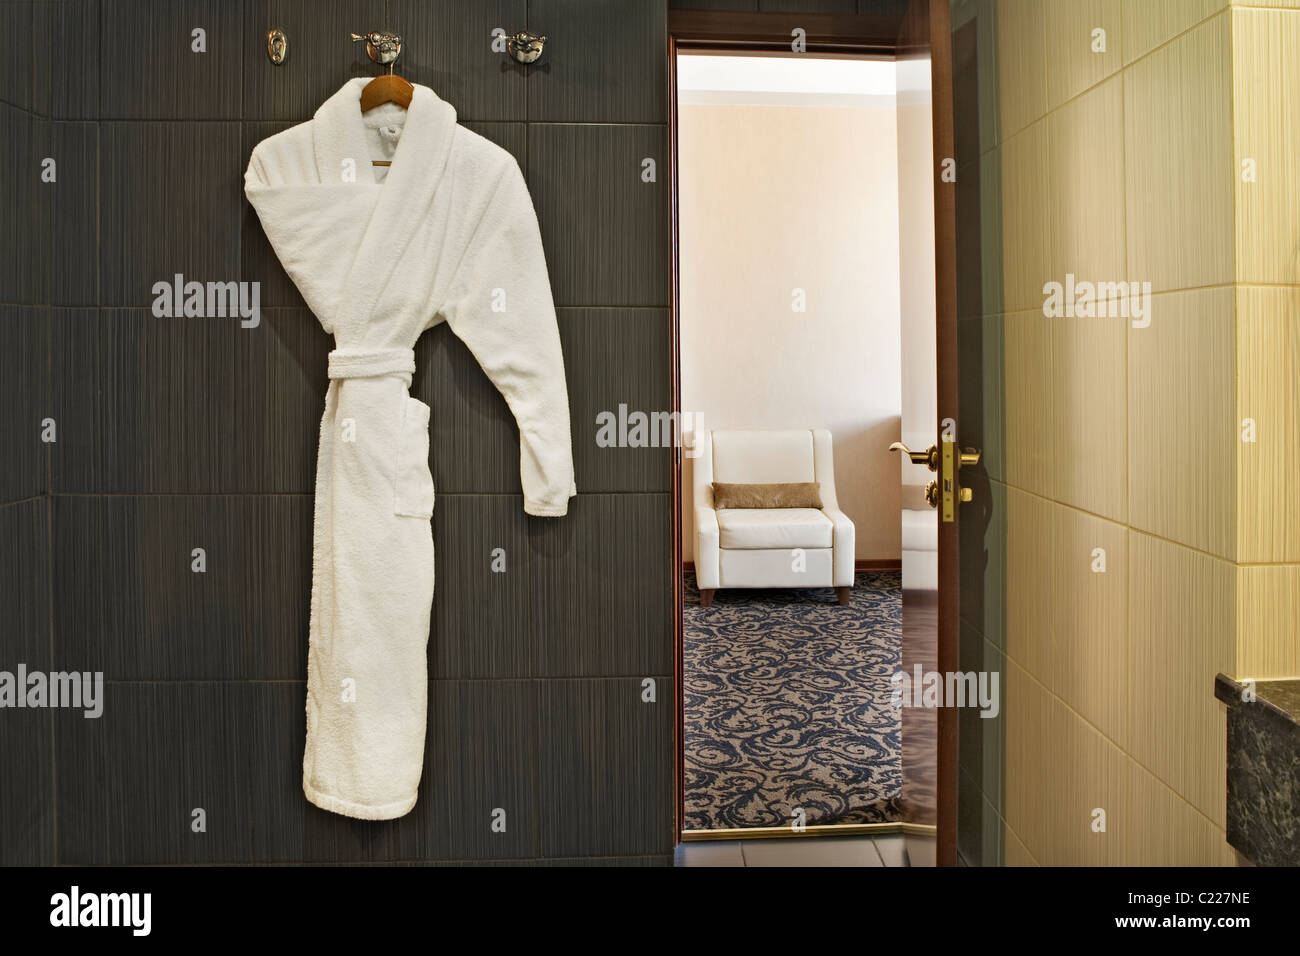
pixel 931 456
pixel 920 44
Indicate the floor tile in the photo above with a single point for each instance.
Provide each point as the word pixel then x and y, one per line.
pixel 713 853
pixel 891 850
pixel 813 851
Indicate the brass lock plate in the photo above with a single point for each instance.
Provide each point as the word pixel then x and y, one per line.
pixel 948 481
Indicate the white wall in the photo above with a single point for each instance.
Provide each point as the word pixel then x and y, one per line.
pixel 916 275
pixel 778 197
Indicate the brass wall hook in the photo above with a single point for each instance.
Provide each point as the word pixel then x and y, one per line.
pixel 381 46
pixel 277 46
pixel 525 47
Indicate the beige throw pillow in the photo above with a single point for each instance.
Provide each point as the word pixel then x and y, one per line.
pixel 803 494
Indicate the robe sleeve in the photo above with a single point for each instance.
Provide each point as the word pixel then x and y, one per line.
pixel 499 304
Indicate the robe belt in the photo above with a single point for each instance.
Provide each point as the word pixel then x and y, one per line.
pixel 371 363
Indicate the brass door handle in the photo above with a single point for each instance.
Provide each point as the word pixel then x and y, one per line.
pixel 952 459
pixel 929 457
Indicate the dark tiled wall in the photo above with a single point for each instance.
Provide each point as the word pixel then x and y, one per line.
pixel 175 434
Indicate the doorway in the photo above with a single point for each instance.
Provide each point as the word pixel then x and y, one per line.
pixel 792 304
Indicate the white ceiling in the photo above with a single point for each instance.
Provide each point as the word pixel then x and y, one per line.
pixel 784 80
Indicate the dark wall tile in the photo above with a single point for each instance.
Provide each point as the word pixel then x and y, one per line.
pixel 658 859
pixel 26 785
pixel 73 213
pixel 25 399
pixel 473 438
pixel 749 5
pixel 603 62
pixel 273 750
pixel 171 203
pixel 605 230
pixel 24 207
pixel 16 66
pixel 129 781
pixel 482 618
pixel 281 377
pixel 66 42
pixel 257 260
pixel 595 341
pixel 512 137
pixel 482 756
pixel 605 769
pixel 25 587
pixel 601 594
pixel 151 404
pixel 321 54
pixel 447 46
pixel 128 602
pixel 148 67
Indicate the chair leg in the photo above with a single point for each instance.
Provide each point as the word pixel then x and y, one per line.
pixel 706 597
pixel 843 595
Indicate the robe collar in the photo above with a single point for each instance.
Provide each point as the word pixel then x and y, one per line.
pixel 339 134
pixel 405 195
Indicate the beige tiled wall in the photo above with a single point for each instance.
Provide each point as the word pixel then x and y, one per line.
pixel 1268 385
pixel 1266 130
pixel 1127 165
pixel 1178 160
pixel 1181 434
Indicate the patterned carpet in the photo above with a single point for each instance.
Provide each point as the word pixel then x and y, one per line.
pixel 788 705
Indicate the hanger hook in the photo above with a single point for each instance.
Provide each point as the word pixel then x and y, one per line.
pixel 381 46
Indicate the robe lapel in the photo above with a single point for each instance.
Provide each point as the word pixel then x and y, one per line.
pixel 340 239
pixel 339 138
pixel 403 199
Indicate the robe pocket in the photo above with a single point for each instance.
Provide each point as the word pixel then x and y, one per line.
pixel 412 481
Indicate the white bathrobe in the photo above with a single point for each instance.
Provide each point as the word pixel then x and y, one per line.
pixel 447 233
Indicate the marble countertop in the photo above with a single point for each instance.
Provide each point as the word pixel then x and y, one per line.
pixel 1263 749
pixel 1281 696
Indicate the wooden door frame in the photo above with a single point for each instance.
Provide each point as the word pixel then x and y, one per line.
pixel 833 33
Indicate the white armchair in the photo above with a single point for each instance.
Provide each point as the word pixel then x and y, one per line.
pixel 769 547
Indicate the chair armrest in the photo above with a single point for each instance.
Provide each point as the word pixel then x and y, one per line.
pixel 707 555
pixel 842 544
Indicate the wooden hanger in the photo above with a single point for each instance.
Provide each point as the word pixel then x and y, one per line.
pixel 384 47
pixel 386 88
